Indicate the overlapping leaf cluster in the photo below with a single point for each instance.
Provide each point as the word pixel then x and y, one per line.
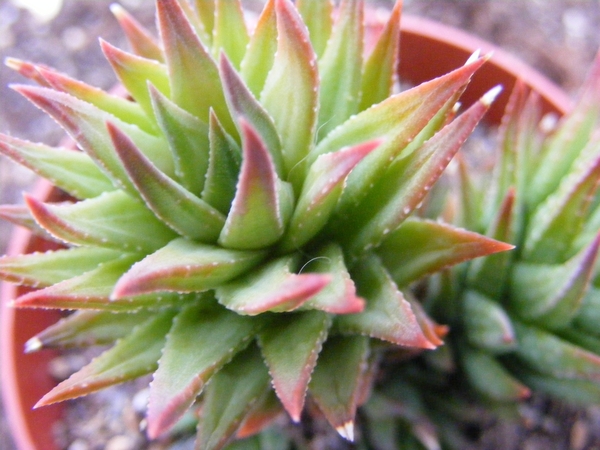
pixel 525 320
pixel 242 216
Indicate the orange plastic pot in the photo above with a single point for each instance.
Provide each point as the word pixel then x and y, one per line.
pixel 428 50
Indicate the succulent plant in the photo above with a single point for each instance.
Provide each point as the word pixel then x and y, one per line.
pixel 239 223
pixel 523 321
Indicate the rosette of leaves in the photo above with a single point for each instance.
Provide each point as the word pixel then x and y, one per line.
pixel 233 219
pixel 527 320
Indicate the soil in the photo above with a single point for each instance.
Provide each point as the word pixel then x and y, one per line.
pixel 558 37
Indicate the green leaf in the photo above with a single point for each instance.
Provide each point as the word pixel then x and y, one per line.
pixel 260 53
pixel 407 180
pixel 487 325
pixel 489 275
pixel 339 296
pixel 140 40
pixel 419 247
pixel 131 357
pixel 490 378
pixel 21 216
pixel 206 14
pixel 290 93
pixel 86 328
pixel 71 170
pixel 387 316
pixel 554 356
pixel 569 139
pixel 318 17
pixel 201 341
pixel 272 287
pixel 186 55
pixel 188 140
pixel 320 193
pixel 87 126
pixel 588 315
pixel 397 120
pixel 340 68
pixel 185 266
pixel 552 294
pixel 290 348
pixel 112 220
pixel 557 222
pixel 135 73
pixel 244 105
pixel 381 67
pixel 262 204
pixel 122 108
pixel 336 382
pixel 45 269
pixel 92 290
pixel 229 33
pixel 223 171
pixel 229 397
pixel 172 204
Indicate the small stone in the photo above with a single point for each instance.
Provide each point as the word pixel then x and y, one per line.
pixel 579 435
pixel 78 444
pixel 121 442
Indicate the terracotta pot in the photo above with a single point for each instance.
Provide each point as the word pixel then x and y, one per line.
pixel 428 50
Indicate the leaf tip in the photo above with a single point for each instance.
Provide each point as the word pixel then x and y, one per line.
pixel 33 345
pixel 491 95
pixel 346 430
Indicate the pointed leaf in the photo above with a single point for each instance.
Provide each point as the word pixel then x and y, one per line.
pixel 86 328
pixel 290 94
pixel 244 105
pixel 588 315
pixel 229 33
pixel 132 357
pixel 552 294
pixel 339 296
pixel 420 247
pixel 136 72
pixel 87 126
pixel 290 348
pixel 111 220
pixel 489 275
pixel 260 53
pixel 206 14
pixel 45 269
pixel 320 193
pixel 120 107
pixel 185 266
pixel 398 120
pixel 186 55
pixel 318 17
pixel 72 171
pixel 490 378
pixel 92 290
pixel 406 182
pixel 175 206
pixel 381 68
pixel 223 171
pixel 262 203
pixel 340 68
pixel 190 357
pixel 487 325
pixel 554 356
pixel 556 223
pixel 140 39
pixel 264 412
pixel 224 407
pixel 272 287
pixel 571 135
pixel 336 381
pixel 387 316
pixel 188 140
pixel 21 216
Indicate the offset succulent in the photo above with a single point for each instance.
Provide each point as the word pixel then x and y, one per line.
pixel 240 224
pixel 525 320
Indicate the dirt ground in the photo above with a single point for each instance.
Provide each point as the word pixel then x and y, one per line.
pixel 558 37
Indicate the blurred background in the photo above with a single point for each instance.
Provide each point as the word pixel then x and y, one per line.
pixel 558 37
